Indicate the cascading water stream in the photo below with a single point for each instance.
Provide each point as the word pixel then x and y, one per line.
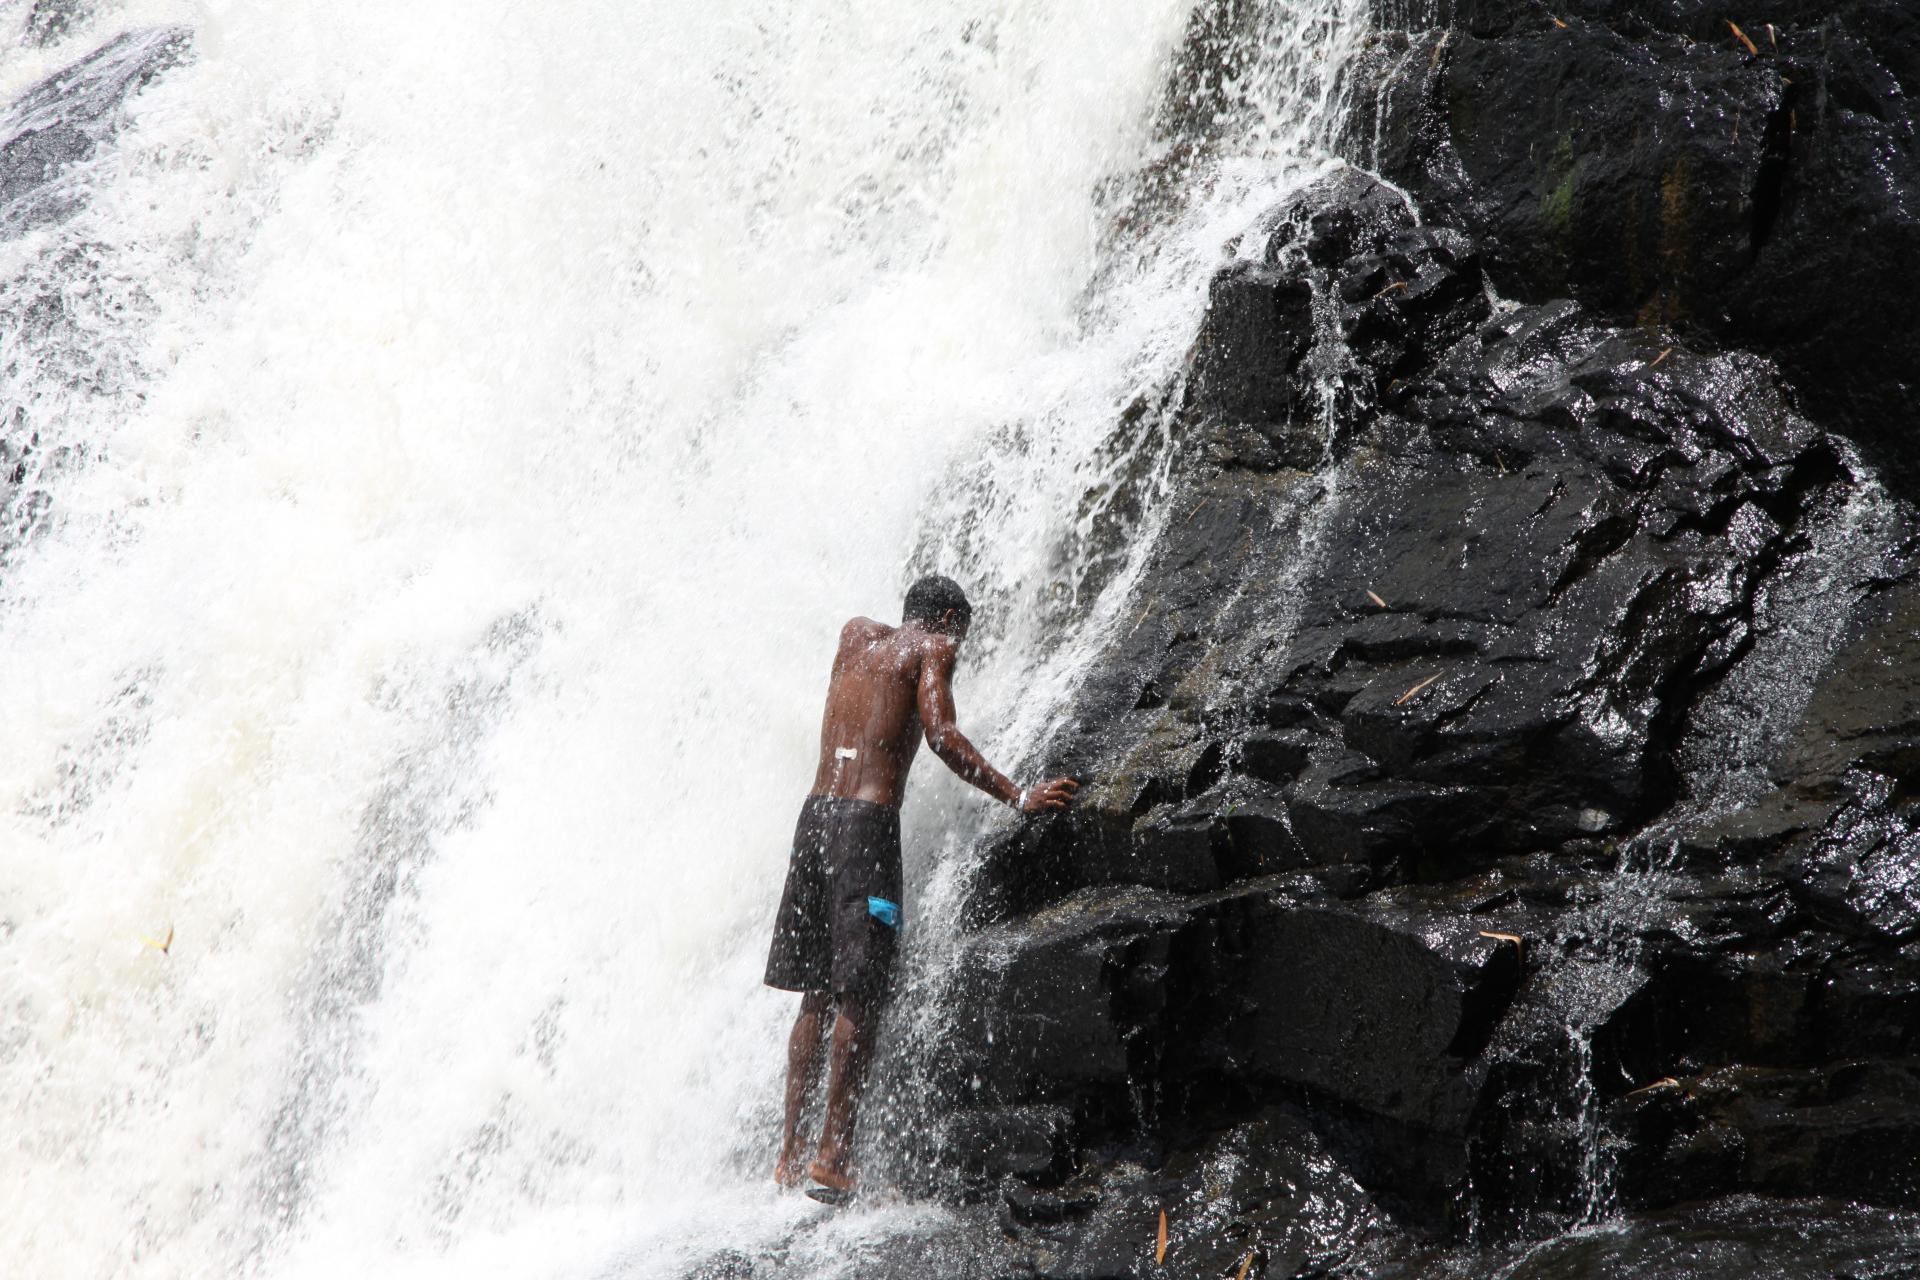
pixel 460 434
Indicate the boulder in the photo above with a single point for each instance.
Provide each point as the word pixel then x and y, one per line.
pixel 1483 636
pixel 1145 1013
pixel 1506 739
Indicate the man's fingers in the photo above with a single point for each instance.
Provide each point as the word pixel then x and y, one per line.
pixel 1051 796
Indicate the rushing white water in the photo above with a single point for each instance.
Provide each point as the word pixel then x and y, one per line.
pixel 468 428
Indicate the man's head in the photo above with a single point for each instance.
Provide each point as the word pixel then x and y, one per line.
pixel 938 604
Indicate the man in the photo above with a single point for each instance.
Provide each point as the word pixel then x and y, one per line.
pixel 834 938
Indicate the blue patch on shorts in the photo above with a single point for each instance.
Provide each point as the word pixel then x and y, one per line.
pixel 887 913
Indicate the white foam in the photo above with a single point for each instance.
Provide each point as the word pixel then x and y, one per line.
pixel 509 403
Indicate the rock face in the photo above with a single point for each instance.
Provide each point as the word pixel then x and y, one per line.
pixel 1498 805
pixel 1637 156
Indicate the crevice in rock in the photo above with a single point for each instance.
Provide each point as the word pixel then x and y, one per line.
pixel 1591 546
pixel 1770 178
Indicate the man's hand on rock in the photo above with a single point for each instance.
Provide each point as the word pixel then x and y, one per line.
pixel 1048 797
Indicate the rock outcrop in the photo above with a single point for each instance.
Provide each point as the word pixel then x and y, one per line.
pixel 1499 806
pixel 1639 156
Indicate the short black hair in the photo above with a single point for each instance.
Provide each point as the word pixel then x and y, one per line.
pixel 929 599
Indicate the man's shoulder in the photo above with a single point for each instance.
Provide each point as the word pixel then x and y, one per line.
pixel 939 647
pixel 864 627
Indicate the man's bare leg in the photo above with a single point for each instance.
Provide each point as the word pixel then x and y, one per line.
pixel 803 1069
pixel 851 1045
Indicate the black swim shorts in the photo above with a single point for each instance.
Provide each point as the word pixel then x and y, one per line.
pixel 825 938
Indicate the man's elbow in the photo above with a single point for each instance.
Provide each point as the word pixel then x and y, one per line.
pixel 947 743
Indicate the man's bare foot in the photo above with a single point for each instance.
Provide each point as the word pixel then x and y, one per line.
pixel 788 1171
pixel 830 1178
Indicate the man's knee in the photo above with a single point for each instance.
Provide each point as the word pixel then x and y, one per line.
pixel 856 1009
pixel 815 1004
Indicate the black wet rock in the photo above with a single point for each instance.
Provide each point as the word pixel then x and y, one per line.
pixel 1144 1012
pixel 1272 376
pixel 1034 1142
pixel 1865 712
pixel 1267 1187
pixel 1478 637
pixel 1863 868
pixel 1850 1128
pixel 1259 326
pixel 1402 806
pixel 1733 1238
pixel 1637 157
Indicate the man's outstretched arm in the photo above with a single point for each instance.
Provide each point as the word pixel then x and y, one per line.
pixel 960 755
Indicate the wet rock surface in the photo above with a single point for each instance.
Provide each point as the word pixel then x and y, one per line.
pixel 1498 809
pixel 1639 156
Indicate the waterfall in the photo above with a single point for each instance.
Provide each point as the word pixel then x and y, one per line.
pixel 453 437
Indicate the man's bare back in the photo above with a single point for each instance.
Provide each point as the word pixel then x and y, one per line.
pixel 890 686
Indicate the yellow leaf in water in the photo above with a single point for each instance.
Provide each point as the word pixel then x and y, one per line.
pixel 1742 37
pixel 1376 599
pixel 1245 1266
pixel 1160 1248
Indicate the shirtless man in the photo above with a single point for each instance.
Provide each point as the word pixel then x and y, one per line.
pixel 834 938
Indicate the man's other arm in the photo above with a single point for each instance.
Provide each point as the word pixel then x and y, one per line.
pixel 960 755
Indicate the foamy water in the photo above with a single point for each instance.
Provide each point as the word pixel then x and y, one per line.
pixel 470 427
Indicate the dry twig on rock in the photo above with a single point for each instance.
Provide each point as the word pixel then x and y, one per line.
pixel 1406 697
pixel 1519 943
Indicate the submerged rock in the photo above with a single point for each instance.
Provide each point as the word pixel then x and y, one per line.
pixel 47 136
pixel 62 120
